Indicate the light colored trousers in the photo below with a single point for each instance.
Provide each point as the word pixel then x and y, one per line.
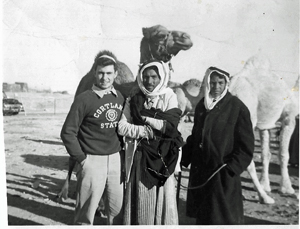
pixel 100 175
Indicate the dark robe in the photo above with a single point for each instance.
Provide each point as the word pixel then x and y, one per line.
pixel 223 135
pixel 160 154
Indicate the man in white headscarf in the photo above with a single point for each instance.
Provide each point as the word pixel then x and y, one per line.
pixel 149 123
pixel 222 141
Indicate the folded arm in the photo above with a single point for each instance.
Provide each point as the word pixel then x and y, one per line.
pixel 160 124
pixel 126 128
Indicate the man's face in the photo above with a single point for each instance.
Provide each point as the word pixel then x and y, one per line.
pixel 150 79
pixel 105 76
pixel 217 86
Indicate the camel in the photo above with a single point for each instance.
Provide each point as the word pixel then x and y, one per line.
pixel 162 44
pixel 269 100
pixel 188 95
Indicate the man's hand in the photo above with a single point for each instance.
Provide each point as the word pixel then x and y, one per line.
pixel 82 163
pixel 149 132
pixel 144 118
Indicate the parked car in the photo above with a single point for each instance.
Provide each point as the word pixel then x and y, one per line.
pixel 11 106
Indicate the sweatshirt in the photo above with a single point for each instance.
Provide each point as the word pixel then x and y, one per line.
pixel 91 125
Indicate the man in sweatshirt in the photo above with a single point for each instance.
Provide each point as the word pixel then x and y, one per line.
pixel 90 137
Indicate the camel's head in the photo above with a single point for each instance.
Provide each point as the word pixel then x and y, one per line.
pixel 258 62
pixel 161 44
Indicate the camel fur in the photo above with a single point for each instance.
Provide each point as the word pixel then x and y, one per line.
pixel 270 101
pixel 162 44
pixel 188 95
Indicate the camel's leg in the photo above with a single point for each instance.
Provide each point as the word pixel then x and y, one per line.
pixel 263 196
pixel 265 157
pixel 283 155
pixel 63 194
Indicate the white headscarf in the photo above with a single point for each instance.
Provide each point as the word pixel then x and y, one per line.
pixel 210 102
pixel 164 74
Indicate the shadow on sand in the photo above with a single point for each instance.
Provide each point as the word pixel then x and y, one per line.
pixel 47 161
pixel 55 213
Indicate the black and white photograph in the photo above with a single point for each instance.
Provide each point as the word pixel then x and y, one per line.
pixel 177 113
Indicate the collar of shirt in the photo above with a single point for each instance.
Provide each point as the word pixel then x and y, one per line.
pixel 152 101
pixel 154 98
pixel 101 92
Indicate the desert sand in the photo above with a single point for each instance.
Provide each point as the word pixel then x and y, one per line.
pixel 37 163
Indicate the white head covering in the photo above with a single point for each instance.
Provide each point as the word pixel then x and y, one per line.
pixel 210 102
pixel 164 73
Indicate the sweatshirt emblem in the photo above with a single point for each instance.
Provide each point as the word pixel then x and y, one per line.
pixel 111 115
pixel 108 108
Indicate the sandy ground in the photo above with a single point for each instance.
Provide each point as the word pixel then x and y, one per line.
pixel 37 162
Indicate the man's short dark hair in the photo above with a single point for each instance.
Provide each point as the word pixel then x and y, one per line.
pixel 105 61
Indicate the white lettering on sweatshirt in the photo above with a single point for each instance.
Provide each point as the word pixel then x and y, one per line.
pixel 109 107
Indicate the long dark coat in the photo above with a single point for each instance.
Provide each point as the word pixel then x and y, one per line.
pixel 221 135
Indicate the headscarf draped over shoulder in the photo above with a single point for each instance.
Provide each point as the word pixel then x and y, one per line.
pixel 164 73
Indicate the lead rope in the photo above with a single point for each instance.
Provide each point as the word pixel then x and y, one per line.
pixel 190 188
pixel 200 186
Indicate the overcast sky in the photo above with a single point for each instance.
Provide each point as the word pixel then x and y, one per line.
pixel 51 44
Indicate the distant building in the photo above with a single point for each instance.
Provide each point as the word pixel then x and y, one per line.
pixel 16 87
pixel 5 87
pixel 24 86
